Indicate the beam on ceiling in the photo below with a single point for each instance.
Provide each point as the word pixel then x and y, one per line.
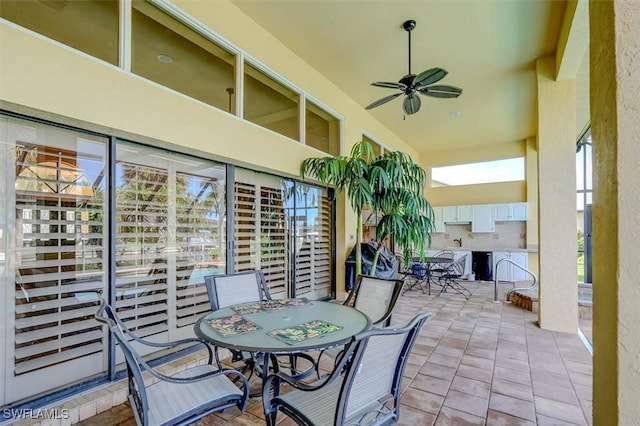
pixel 573 40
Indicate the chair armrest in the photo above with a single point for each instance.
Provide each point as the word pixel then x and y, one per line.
pixel 172 344
pixel 280 376
pixel 198 377
pixel 111 320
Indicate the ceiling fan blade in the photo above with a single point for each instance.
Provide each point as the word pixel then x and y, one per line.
pixel 440 91
pixel 389 85
pixel 429 76
pixel 411 104
pixel 383 100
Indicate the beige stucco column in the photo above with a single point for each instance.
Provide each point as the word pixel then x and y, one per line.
pixel 558 294
pixel 615 122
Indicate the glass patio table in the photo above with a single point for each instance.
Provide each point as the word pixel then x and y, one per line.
pixel 266 327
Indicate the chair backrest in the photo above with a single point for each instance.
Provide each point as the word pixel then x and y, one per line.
pixel 446 254
pixel 243 287
pixel 376 297
pixel 373 379
pixel 456 269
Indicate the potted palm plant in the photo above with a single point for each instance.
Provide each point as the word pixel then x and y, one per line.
pixel 390 185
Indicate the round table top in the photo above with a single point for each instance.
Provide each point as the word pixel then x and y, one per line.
pixel 349 319
pixel 433 260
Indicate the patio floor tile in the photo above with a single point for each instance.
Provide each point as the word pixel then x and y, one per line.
pixel 468 403
pixel 475 362
pixel 512 406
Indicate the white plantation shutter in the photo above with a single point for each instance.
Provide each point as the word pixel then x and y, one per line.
pixel 59 260
pixel 245 227
pixel 269 228
pixel 274 241
pixel 198 235
pixel 57 280
pixel 322 266
pixel 261 237
pixel 313 257
pixel 142 252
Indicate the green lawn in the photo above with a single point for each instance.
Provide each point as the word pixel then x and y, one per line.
pixel 580 271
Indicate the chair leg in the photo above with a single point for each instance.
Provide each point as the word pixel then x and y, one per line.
pixel 271 419
pixel 411 281
pixel 453 284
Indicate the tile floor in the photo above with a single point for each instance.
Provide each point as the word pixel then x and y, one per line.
pixel 475 362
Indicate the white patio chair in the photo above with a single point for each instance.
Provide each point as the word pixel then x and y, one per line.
pixel 374 297
pixel 363 390
pixel 450 279
pixel 179 399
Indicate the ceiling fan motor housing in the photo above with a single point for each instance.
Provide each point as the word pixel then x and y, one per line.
pixel 407 79
pixel 409 25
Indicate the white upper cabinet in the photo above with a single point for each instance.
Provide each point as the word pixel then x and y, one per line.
pixel 438 213
pixel 457 214
pixel 483 220
pixel 510 212
pixel 519 211
pixel 465 213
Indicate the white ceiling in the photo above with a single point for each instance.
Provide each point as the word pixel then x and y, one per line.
pixel 489 48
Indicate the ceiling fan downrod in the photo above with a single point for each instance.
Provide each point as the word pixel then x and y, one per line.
pixel 408 27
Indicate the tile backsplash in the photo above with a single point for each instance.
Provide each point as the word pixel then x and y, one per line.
pixel 508 235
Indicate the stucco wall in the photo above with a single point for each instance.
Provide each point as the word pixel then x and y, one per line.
pixel 557 200
pixel 615 84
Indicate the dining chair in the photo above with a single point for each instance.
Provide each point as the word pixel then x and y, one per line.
pixel 179 399
pixel 234 289
pixel 450 279
pixel 364 389
pixel 374 297
pixel 245 287
pixel 437 269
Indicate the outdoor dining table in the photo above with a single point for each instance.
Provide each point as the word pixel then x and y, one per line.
pixel 424 275
pixel 281 327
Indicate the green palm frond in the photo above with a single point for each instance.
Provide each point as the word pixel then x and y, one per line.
pixel 391 185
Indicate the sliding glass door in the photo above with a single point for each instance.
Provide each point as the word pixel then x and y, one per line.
pixel 284 228
pixel 167 214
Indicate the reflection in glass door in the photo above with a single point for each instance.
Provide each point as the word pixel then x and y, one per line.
pixel 52 257
pixel 170 216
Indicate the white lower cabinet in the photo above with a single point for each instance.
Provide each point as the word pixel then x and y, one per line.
pixel 507 271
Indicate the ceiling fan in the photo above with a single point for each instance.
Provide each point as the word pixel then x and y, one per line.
pixel 411 85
